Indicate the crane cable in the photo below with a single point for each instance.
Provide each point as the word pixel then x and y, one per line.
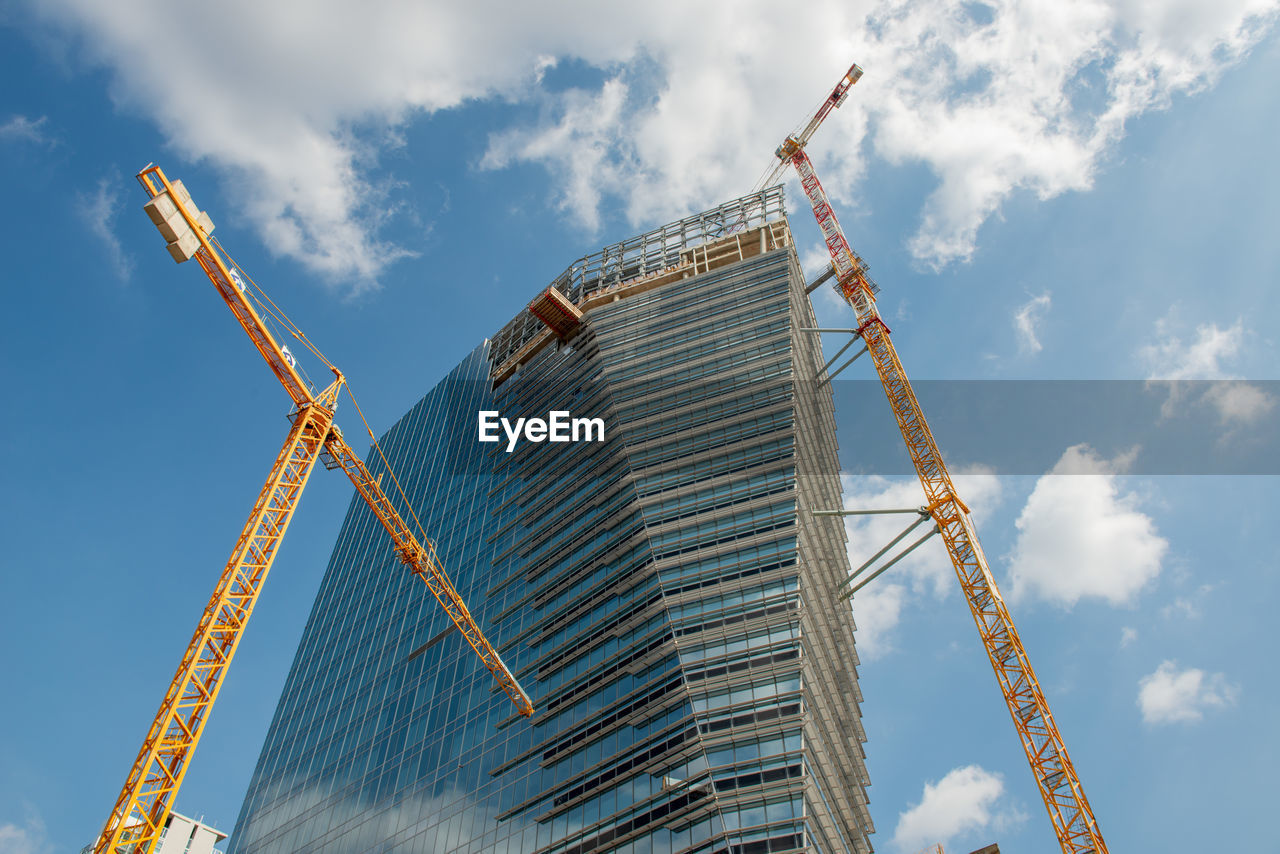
pixel 275 311
pixel 764 173
pixel 377 447
pixel 777 168
pixel 278 314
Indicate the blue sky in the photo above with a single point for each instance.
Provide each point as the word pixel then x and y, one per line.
pixel 1085 193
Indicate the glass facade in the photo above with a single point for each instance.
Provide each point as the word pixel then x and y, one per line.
pixel 665 595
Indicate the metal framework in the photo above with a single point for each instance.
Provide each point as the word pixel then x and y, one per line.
pixel 1056 778
pixel 648 254
pixel 143 805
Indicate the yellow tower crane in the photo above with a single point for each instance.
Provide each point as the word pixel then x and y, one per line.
pixel 1059 785
pixel 143 806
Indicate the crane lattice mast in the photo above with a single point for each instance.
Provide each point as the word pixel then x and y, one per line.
pixel 1056 778
pixel 144 802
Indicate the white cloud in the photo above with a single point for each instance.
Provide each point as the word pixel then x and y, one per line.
pixel 1128 635
pixel 1079 537
pixel 1169 357
pixel 585 129
pixel 963 801
pixel 1172 359
pixel 1009 96
pixel 1027 320
pixel 294 102
pixel 1187 607
pixel 816 260
pixel 21 128
pixel 1170 695
pixel 1239 402
pixel 29 838
pixel 876 611
pixel 98 211
pixel 878 607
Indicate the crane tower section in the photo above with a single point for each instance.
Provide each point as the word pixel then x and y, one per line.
pixel 1073 820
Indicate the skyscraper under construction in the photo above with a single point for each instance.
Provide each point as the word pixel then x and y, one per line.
pixel 660 587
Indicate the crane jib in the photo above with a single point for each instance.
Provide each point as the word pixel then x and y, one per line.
pixel 231 288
